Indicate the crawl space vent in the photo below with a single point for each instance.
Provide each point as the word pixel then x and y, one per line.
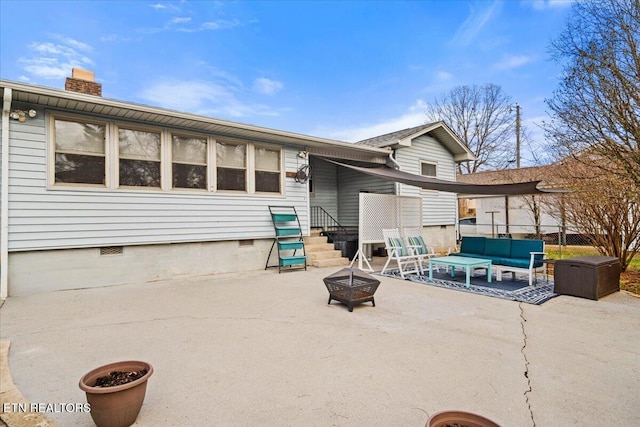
pixel 111 250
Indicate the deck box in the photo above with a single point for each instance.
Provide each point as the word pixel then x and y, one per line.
pixel 589 277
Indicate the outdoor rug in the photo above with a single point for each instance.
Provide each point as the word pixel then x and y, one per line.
pixel 514 290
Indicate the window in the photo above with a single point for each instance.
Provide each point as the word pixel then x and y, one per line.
pixel 135 157
pixel 267 171
pixel 79 152
pixel 428 169
pixel 139 158
pixel 231 166
pixel 189 162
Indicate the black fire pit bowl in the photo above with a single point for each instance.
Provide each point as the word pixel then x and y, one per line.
pixel 351 286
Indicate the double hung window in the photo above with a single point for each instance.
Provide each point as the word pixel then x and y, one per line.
pixel 267 170
pixel 189 162
pixel 231 166
pixel 80 155
pixel 139 158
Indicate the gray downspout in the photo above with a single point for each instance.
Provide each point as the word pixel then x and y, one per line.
pixel 4 197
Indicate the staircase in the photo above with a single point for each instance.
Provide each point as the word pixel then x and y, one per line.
pixel 320 253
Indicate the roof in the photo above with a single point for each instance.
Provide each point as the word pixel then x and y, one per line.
pixel 91 104
pixel 437 130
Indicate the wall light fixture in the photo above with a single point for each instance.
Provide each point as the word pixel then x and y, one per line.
pixel 21 115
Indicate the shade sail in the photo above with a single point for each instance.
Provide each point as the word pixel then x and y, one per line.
pixel 428 183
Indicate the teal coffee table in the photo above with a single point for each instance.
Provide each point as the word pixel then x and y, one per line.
pixel 453 261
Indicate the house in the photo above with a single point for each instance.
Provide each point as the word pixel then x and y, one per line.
pixel 99 192
pixel 515 215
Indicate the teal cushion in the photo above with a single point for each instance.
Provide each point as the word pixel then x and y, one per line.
pixel 521 248
pixel 472 245
pixel 418 243
pixel 398 244
pixel 514 262
pixel 498 247
pixel 466 254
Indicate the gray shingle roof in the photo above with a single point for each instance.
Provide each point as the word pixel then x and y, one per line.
pixel 393 137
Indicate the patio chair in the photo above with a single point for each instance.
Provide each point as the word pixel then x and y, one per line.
pixel 415 242
pixel 407 260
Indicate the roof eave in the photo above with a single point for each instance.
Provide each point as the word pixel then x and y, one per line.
pixel 33 93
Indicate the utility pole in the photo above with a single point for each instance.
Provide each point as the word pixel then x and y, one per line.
pixel 517 136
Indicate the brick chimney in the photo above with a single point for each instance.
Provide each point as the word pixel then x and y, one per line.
pixel 83 81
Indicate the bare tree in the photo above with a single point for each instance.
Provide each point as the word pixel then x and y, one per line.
pixel 605 206
pixel 597 105
pixel 484 118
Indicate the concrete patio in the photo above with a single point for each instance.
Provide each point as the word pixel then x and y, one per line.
pixel 262 348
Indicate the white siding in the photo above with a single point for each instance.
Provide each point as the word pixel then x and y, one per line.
pixel 350 184
pixel 439 208
pixel 325 186
pixel 42 218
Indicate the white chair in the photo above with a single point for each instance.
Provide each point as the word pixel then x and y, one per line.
pixel 397 250
pixel 415 242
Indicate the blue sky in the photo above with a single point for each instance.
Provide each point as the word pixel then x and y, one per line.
pixel 342 70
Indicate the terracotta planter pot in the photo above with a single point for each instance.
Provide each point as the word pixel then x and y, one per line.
pixel 459 418
pixel 116 406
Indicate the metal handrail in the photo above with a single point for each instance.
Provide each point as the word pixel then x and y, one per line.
pixel 323 219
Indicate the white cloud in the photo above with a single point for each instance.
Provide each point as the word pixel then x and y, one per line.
pixel 157 6
pixel 180 20
pixel 443 76
pixel 75 44
pixel 267 86
pixel 440 82
pixel 51 60
pixel 220 24
pixel 474 23
pixel 202 97
pixel 414 116
pixel 512 61
pixel 116 38
pixel 548 4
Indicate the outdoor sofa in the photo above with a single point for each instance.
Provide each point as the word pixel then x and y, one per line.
pixel 507 255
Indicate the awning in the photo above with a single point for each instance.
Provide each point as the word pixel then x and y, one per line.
pixel 427 183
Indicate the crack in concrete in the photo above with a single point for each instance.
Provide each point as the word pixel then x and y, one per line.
pixel 526 363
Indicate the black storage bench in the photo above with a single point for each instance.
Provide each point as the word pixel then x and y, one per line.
pixel 589 277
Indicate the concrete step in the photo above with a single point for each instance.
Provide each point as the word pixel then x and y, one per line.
pixel 325 254
pixel 315 240
pixel 320 247
pixel 331 262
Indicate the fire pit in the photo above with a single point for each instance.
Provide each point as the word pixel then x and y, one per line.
pixel 351 286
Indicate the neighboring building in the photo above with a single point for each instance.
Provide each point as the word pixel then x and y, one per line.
pixel 518 216
pixel 99 192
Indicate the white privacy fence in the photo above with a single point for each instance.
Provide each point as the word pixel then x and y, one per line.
pixel 382 211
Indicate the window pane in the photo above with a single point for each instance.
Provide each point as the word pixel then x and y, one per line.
pixel 267 182
pixel 139 173
pixel 139 144
pixel 428 169
pixel 189 150
pixel 189 176
pixel 231 155
pixel 79 169
pixel 267 159
pixel 82 137
pixel 231 179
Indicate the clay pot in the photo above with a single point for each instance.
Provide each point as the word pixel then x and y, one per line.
pixel 460 418
pixel 116 406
